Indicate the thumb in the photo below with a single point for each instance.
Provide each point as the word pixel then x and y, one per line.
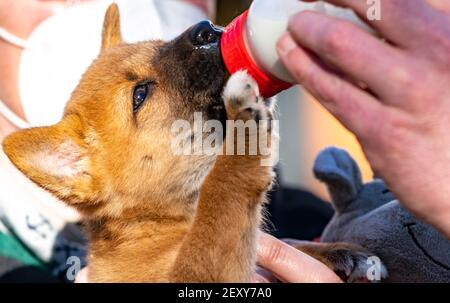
pixel 291 265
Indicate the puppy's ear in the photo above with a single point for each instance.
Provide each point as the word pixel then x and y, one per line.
pixel 56 158
pixel 111 35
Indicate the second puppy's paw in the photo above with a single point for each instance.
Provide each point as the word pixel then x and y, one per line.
pixel 352 263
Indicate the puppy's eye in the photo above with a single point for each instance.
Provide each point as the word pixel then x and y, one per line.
pixel 140 95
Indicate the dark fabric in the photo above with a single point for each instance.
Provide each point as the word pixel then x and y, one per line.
pixel 297 214
pixel 14 271
pixel 15 255
pixel 28 274
pixel 8 264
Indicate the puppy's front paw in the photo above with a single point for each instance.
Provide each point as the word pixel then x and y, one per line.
pixel 353 263
pixel 243 101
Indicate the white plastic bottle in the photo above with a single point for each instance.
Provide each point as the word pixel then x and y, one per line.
pixel 249 42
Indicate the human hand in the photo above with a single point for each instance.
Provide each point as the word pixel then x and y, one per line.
pixel 394 95
pixel 290 265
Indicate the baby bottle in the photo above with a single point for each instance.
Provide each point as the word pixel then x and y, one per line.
pixel 249 42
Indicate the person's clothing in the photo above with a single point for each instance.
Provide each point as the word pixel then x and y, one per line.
pixel 297 214
pixel 19 265
pixel 12 271
pixel 36 229
pixel 11 249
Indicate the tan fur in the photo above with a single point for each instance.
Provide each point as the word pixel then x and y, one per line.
pixel 111 35
pixel 151 215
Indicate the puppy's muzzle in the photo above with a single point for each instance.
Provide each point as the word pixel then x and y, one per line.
pixel 205 33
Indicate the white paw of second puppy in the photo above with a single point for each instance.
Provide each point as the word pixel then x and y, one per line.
pixel 354 265
pixel 243 100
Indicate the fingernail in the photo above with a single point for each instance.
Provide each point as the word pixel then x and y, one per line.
pixel 286 44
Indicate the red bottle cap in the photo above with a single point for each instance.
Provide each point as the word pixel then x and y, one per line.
pixel 236 57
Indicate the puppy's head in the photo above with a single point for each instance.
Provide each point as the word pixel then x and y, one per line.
pixel 112 152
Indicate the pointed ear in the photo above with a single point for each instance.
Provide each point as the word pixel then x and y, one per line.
pixel 337 169
pixel 56 158
pixel 111 35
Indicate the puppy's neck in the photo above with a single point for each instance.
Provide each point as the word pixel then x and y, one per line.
pixel 118 245
pixel 123 208
pixel 108 229
pixel 129 228
pixel 127 237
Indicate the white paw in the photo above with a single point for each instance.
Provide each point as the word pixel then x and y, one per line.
pixel 240 85
pixel 355 266
pixel 242 99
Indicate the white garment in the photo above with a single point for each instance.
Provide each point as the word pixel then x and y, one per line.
pixel 37 218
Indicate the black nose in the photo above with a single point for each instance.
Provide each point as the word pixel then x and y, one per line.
pixel 205 33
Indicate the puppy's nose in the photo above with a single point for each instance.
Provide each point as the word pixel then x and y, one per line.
pixel 205 33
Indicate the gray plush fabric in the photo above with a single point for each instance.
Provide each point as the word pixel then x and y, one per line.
pixel 369 215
